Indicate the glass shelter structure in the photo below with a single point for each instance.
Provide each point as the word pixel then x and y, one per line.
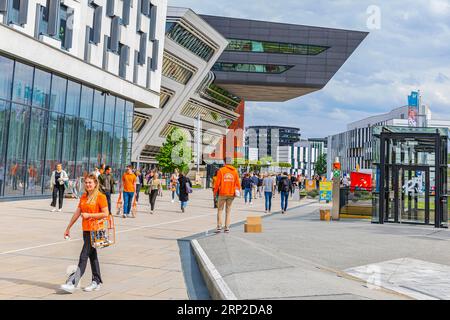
pixel 411 175
pixel 46 119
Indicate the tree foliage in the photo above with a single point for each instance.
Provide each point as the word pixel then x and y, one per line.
pixel 175 153
pixel 321 165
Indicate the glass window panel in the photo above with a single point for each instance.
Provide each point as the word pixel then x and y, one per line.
pixel 129 114
pixel 6 72
pixel 73 98
pixel 58 97
pixel 4 114
pixel 125 158
pixel 54 146
pixel 15 161
pixel 99 106
pixel 83 147
pixel 86 102
pixel 36 151
pixel 110 106
pixel 41 88
pixel 69 146
pixel 96 145
pixel 23 83
pixel 120 112
pixel 107 145
pixel 117 151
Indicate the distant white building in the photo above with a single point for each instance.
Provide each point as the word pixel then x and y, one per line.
pixel 354 146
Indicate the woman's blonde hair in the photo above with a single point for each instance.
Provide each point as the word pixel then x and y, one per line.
pixel 92 198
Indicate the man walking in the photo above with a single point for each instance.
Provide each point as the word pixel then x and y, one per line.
pixel 255 181
pixel 225 187
pixel 106 182
pixel 129 189
pixel 284 187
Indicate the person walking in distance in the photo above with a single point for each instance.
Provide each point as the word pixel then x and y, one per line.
pixel 225 186
pixel 174 185
pixel 247 187
pixel 106 184
pixel 269 186
pixel 129 189
pixel 139 183
pixel 185 189
pixel 155 188
pixel 255 180
pixel 57 185
pixel 93 207
pixel 284 187
pixel 260 185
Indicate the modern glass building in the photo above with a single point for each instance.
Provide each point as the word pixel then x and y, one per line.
pixel 46 119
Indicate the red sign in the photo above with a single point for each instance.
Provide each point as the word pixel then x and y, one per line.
pixel 360 181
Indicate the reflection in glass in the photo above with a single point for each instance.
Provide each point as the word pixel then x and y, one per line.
pixel 6 72
pixel 95 158
pixel 248 67
pixel 36 152
pixel 86 102
pixel 23 83
pixel 54 146
pixel 15 160
pixel 4 113
pixel 119 120
pixel 41 88
pixel 83 147
pixel 58 98
pixel 69 143
pixel 110 106
pixel 107 144
pixel 73 98
pixel 99 106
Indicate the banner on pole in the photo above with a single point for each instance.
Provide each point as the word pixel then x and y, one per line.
pixel 326 190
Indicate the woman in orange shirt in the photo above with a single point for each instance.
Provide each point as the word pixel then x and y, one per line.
pixel 93 206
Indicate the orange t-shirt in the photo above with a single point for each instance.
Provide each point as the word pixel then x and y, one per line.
pixel 92 224
pixel 128 180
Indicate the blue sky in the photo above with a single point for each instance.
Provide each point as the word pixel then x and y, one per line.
pixel 410 51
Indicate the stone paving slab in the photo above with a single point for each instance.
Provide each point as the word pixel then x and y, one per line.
pixel 143 264
pixel 300 257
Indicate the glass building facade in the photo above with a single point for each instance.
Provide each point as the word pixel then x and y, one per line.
pixel 274 47
pixel 250 67
pixel 46 119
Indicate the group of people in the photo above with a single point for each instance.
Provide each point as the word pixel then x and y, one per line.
pixel 95 203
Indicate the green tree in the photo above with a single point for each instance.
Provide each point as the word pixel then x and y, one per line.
pixel 321 165
pixel 175 153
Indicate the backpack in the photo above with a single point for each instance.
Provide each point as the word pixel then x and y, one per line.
pixel 285 185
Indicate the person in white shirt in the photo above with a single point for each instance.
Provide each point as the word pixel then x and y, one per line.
pixel 58 185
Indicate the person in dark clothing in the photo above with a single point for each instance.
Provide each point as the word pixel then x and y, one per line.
pixel 284 187
pixel 106 184
pixel 247 184
pixel 185 189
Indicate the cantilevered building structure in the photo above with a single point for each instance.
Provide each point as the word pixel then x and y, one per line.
pixel 212 65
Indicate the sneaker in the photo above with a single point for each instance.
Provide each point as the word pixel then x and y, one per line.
pixel 265 211
pixel 93 287
pixel 151 211
pixel 182 210
pixel 172 201
pixel 124 216
pixel 227 230
pixel 53 210
pixel 69 287
pixel 59 210
pixel 218 230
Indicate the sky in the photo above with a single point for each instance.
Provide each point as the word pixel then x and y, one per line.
pixel 408 48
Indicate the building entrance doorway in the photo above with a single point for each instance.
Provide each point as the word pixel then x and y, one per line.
pixel 411 176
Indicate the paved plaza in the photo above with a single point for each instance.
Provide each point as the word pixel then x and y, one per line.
pixel 144 264
pixel 300 257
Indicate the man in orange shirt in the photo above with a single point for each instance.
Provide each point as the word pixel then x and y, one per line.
pixel 129 189
pixel 227 186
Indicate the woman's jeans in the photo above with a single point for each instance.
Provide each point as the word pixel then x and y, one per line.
pixel 184 204
pixel 127 199
pixel 58 192
pixel 284 200
pixel 268 196
pixel 248 193
pixel 152 197
pixel 138 189
pixel 88 252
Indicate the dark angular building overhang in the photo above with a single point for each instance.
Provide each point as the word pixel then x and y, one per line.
pixel 299 73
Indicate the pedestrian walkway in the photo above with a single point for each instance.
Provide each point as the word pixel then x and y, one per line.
pixel 144 264
pixel 300 257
